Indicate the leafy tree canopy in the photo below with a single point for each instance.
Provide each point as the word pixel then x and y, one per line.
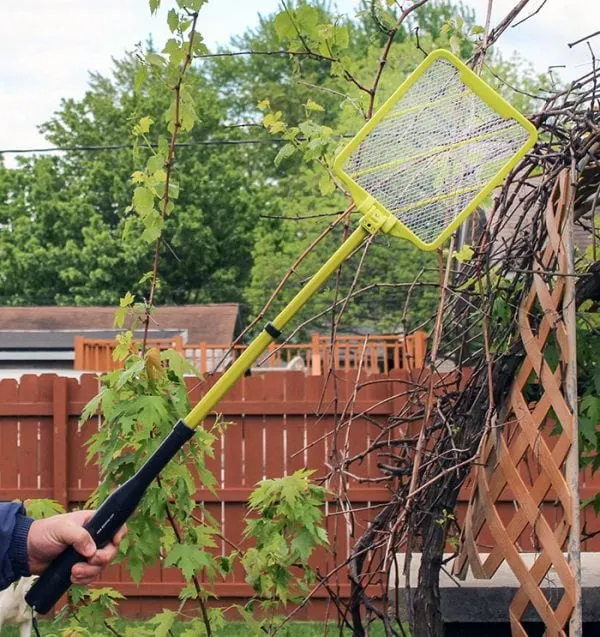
pixel 245 211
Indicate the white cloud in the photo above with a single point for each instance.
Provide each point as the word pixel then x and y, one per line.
pixel 49 47
pixel 543 37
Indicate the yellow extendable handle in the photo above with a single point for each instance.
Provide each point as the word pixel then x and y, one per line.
pixel 268 335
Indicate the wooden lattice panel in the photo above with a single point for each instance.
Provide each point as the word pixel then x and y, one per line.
pixel 522 460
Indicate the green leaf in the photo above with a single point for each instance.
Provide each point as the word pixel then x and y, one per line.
pixel 191 5
pixel 175 51
pixel 151 234
pixel 154 5
pixel 198 46
pixel 143 201
pixel 140 78
pixel 163 622
pixel 308 18
pixel 272 122
pixel 254 625
pixel 138 177
pixel 326 185
pixel 96 594
pixel 303 544
pixel 172 20
pixel 287 150
pixel 190 559
pixel 187 116
pixel 311 105
pixel 143 126
pixel 226 563
pixel 342 36
pixel 455 44
pixel 587 429
pixel 91 408
pixel 263 105
pixel 127 300
pixel 173 190
pixel 120 315
pixel 596 380
pixel 284 26
pixel 465 254
pixel 155 59
pixel 43 508
pixel 154 163
pixel 188 592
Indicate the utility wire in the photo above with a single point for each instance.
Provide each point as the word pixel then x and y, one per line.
pixel 208 142
pixel 99 147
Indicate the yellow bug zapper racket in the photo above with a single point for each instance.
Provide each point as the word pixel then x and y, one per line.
pixel 416 170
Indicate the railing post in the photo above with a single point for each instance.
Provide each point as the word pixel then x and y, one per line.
pixel 78 347
pixel 178 344
pixel 420 347
pixel 60 415
pixel 272 360
pixel 315 355
pixel 202 364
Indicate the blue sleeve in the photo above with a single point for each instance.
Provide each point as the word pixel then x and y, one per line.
pixel 14 528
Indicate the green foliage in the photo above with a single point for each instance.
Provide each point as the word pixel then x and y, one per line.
pixel 139 405
pixel 287 529
pixel 68 233
pixel 195 628
pixel 90 611
pixel 285 517
pixel 588 379
pixel 43 508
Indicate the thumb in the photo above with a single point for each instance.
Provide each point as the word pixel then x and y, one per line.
pixel 75 535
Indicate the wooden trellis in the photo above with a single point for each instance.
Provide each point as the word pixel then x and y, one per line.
pixel 522 458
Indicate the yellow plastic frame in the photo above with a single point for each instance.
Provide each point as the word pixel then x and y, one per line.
pixel 376 216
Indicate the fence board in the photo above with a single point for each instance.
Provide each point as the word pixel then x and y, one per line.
pixel 9 441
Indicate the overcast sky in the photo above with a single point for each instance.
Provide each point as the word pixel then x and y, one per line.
pixel 48 46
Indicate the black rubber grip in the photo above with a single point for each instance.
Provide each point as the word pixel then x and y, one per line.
pixel 107 520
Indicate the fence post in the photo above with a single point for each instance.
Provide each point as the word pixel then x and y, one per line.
pixel 60 414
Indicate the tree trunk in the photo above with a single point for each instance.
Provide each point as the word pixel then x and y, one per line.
pixel 426 603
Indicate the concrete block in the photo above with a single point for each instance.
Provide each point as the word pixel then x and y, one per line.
pixel 480 601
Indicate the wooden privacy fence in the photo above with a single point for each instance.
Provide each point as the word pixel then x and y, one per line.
pixel 374 353
pixel 275 430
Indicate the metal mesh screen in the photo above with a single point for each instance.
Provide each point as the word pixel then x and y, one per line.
pixel 434 151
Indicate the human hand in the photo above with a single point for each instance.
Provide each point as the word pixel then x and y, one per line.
pixel 49 537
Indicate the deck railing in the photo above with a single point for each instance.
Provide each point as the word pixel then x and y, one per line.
pixel 372 353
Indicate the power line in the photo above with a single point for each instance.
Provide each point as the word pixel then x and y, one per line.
pixel 208 142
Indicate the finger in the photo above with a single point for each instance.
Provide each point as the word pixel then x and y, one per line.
pixel 84 573
pixel 82 516
pixel 69 532
pixel 102 557
pixel 83 581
